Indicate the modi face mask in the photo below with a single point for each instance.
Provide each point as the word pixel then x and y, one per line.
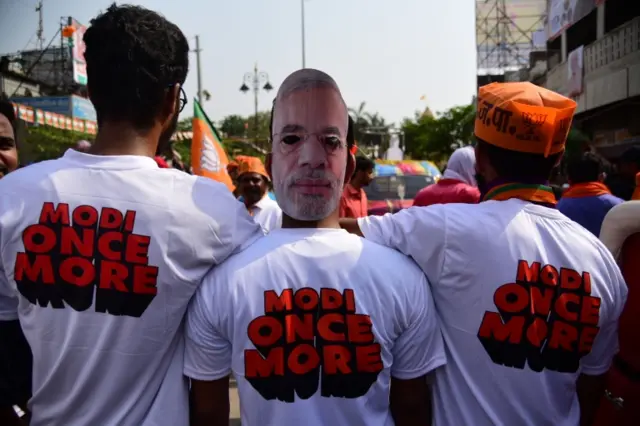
pixel 309 152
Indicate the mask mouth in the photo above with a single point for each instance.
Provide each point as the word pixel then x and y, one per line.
pixel 4 170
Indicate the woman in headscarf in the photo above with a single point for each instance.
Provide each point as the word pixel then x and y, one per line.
pixel 458 183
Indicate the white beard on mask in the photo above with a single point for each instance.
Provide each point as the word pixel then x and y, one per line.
pixel 308 207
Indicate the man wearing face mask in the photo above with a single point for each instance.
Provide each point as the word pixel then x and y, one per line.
pixel 529 300
pixel 319 327
pixel 103 250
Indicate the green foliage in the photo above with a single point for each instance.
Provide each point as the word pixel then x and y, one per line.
pixel 185 125
pixel 45 143
pixel 436 137
pixel 233 125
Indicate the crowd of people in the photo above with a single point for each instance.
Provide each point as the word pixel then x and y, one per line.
pixel 130 292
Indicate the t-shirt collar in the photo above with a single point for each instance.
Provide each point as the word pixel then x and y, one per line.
pixel 114 162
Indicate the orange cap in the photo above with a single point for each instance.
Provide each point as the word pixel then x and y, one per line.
pixel 252 165
pixel 523 117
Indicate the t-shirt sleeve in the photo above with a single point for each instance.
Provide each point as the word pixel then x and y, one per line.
pixel 605 345
pixel 231 227
pixel 8 293
pixel 418 232
pixel 208 349
pixel 419 348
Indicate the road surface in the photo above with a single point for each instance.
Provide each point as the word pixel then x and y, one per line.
pixel 235 404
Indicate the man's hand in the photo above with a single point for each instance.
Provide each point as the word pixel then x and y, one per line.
pixel 351 226
pixel 590 391
pixel 411 402
pixel 210 402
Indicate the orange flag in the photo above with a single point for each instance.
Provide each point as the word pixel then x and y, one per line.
pixel 208 158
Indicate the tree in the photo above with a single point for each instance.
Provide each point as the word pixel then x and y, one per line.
pixel 360 121
pixel 233 125
pixel 435 138
pixel 185 125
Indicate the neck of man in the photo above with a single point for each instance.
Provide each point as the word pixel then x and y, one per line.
pixel 331 221
pixel 251 201
pixel 356 183
pixel 123 139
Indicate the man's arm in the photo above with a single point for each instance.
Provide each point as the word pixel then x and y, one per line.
pixel 410 402
pixel 418 232
pixel 15 356
pixel 210 402
pixel 207 360
pixel 350 225
pixel 590 391
pixel 418 351
pixel 591 383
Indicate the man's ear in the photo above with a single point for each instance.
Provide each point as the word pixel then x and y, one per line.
pixel 351 167
pixel 170 107
pixel 268 161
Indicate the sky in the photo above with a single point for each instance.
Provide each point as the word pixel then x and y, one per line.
pixel 387 53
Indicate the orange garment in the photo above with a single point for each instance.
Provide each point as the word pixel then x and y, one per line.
pixel 252 165
pixel 523 117
pixel 618 382
pixel 353 202
pixel 588 189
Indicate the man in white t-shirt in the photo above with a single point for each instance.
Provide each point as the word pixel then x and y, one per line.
pixel 253 183
pixel 103 250
pixel 529 300
pixel 318 327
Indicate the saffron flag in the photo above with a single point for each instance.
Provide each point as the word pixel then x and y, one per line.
pixel 208 158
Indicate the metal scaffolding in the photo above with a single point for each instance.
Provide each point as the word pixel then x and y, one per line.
pixel 505 33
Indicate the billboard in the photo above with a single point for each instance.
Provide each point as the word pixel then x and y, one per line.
pixel 69 106
pixel 505 32
pixel 77 53
pixel 564 13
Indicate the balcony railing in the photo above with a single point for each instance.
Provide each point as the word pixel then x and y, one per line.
pixel 615 45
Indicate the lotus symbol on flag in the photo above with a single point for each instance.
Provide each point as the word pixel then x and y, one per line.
pixel 209 158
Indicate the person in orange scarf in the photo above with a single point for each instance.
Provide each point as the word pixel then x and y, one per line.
pixel 253 184
pixel 587 200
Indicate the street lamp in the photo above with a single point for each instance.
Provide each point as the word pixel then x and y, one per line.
pixel 255 81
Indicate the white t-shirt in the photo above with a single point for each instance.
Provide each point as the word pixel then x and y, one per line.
pixel 267 213
pixel 620 223
pixel 104 318
pixel 275 316
pixel 485 264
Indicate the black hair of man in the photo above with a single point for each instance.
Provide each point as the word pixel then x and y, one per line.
pixel 6 109
pixel 134 56
pixel 631 155
pixel 519 166
pixel 586 167
pixel 364 164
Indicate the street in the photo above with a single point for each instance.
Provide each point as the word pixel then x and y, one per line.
pixel 234 415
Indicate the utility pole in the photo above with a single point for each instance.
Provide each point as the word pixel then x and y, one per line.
pixel 256 79
pixel 198 69
pixel 304 59
pixel 40 32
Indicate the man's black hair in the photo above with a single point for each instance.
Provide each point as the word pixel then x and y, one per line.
pixel 351 137
pixel 631 155
pixel 6 109
pixel 584 168
pixel 519 166
pixel 364 164
pixel 134 56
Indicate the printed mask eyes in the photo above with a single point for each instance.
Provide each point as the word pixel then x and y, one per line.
pixel 291 139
